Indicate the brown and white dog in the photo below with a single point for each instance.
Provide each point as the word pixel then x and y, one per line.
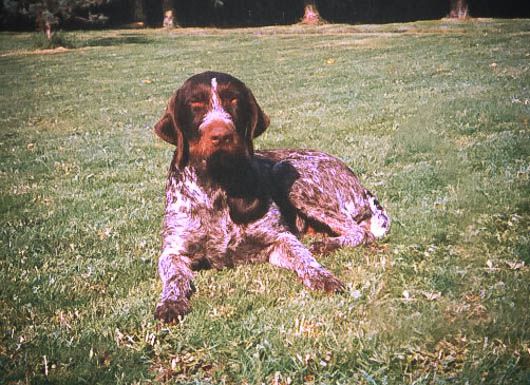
pixel 228 205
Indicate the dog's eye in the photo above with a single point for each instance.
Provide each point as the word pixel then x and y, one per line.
pixel 233 102
pixel 196 105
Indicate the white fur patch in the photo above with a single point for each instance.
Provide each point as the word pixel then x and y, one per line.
pixel 214 96
pixel 216 111
pixel 377 227
pixel 379 222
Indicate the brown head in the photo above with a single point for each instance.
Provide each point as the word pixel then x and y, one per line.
pixel 212 113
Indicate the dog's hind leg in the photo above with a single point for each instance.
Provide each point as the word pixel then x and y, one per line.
pixel 351 236
pixel 289 253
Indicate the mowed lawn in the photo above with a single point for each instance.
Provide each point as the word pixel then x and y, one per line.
pixel 434 118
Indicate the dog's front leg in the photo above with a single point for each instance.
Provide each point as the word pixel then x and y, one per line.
pixel 288 252
pixel 176 276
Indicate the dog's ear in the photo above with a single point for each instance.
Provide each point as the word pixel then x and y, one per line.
pixel 259 120
pixel 168 129
pixel 165 127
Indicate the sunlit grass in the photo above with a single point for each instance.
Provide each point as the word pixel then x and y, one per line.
pixel 433 116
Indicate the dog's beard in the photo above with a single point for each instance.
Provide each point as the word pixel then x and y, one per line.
pixel 230 170
pixel 235 173
pixel 248 198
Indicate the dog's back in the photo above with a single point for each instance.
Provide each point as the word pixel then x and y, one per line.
pixel 319 193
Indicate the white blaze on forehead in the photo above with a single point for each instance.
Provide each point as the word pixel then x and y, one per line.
pixel 214 96
pixel 216 110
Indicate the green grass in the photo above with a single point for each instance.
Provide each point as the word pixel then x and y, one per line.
pixel 434 117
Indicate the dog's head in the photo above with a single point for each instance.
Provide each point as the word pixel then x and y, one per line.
pixel 211 113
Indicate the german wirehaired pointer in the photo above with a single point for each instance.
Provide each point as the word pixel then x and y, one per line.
pixel 228 205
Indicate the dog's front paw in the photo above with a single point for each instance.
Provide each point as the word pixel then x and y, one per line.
pixel 170 311
pixel 321 279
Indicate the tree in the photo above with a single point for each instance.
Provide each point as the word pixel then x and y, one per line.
pixel 311 14
pixel 459 9
pixel 48 13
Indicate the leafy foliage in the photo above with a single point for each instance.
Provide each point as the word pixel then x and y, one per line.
pixel 51 12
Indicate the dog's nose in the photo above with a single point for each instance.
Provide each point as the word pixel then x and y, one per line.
pixel 220 136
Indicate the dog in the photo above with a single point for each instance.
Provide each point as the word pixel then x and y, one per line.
pixel 228 205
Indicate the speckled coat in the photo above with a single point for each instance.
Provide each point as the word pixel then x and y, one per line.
pixel 226 205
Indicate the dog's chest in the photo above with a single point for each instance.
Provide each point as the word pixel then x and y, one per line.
pixel 206 232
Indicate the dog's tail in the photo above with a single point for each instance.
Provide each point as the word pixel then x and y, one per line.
pixel 379 223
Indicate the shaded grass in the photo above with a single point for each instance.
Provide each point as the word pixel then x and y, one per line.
pixel 432 115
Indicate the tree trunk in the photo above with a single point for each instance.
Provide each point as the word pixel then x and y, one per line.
pixel 311 14
pixel 48 30
pixel 459 9
pixel 169 14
